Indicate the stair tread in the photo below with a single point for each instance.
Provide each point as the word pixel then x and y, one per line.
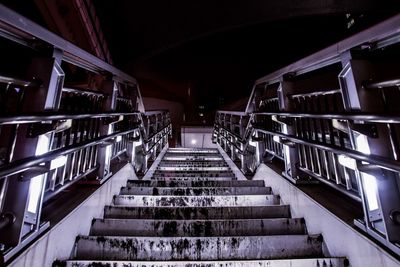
pixel 186 191
pixel 197 201
pixel 199 183
pixel 235 227
pixel 182 213
pixel 295 262
pixel 194 212
pixel 198 248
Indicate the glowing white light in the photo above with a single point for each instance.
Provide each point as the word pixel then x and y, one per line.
pixel 193 141
pixel 35 190
pixel 252 143
pixel 347 162
pixel 369 181
pixel 36 183
pixel 370 189
pixel 362 144
pixel 276 139
pixel 119 138
pixel 58 162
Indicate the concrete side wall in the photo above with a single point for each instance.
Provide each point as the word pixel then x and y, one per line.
pixel 340 238
pixel 59 241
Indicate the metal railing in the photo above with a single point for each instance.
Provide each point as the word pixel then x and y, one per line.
pixel 334 119
pixel 58 129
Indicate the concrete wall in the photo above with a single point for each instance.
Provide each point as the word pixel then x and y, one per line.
pixel 197 136
pixel 59 241
pixel 340 238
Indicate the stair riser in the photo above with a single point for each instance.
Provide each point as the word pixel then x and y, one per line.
pixel 183 183
pixel 164 228
pixel 322 262
pixel 193 163
pixel 191 169
pixel 196 213
pixel 201 248
pixel 192 158
pixel 196 201
pixel 195 191
pixel 193 178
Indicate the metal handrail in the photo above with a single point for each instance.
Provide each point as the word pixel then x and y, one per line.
pixel 385 163
pixel 83 91
pixel 16 81
pixel 156 142
pixel 239 113
pixel 147 139
pixel 382 84
pixel 22 165
pixel 19 119
pixel 319 93
pixel 155 112
pixel 338 116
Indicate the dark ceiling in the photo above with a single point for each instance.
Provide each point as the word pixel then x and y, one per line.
pixel 219 47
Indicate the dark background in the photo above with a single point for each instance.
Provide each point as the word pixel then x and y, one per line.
pixel 215 48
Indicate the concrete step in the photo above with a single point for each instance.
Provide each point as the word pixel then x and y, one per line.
pixel 193 178
pixel 313 262
pixel 196 201
pixel 197 213
pixel 198 248
pixel 191 169
pixel 193 152
pixel 195 191
pixel 192 158
pixel 164 228
pixel 193 165
pixel 189 183
pixel 190 175
pixel 193 162
pixel 217 173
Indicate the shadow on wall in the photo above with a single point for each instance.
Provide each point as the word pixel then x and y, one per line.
pixel 197 136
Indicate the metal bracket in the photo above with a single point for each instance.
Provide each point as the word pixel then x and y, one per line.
pixel 6 219
pixel 134 138
pixel 37 129
pixel 368 129
pixel 284 141
pixel 111 120
pixel 340 125
pixel 257 138
pixel 282 120
pixel 108 142
pixel 33 172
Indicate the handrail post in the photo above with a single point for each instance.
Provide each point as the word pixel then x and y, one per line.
pixel 379 189
pixel 109 87
pixel 23 198
pixel 290 153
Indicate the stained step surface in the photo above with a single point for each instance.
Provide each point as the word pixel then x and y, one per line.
pixel 198 213
pixel 198 248
pixel 238 227
pixel 196 201
pixel 195 191
pixel 312 262
pixel 194 212
pixel 191 183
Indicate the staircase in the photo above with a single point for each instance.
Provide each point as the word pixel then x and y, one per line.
pixel 194 212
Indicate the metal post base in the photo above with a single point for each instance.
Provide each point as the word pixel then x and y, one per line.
pixel 8 254
pixel 360 224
